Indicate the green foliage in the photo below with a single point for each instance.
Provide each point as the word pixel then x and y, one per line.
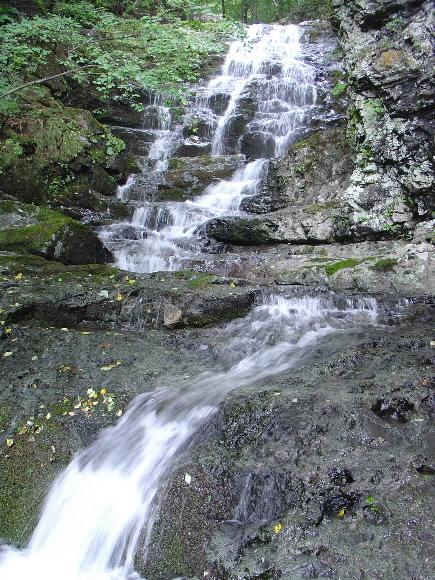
pixel 395 24
pixel 128 56
pixel 114 145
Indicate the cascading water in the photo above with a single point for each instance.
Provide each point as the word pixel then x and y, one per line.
pixel 265 91
pixel 107 498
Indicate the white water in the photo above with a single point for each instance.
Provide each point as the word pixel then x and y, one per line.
pixel 107 497
pixel 266 67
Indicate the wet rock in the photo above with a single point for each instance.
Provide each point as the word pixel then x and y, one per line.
pixel 267 496
pixel 257 145
pixel 397 408
pixel 193 147
pixel 105 297
pixel 242 231
pixel 189 176
pixel 218 102
pixel 340 476
pixel 317 569
pixel 375 514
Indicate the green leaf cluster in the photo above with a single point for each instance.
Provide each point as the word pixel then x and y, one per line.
pixel 128 56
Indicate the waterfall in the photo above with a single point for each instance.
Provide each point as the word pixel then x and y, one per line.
pixel 257 103
pixel 107 498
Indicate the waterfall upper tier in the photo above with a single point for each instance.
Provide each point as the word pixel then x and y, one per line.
pixel 255 107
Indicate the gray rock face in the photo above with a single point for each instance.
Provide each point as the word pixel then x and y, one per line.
pixel 388 58
pixel 316 170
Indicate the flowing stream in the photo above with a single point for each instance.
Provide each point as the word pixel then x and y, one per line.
pixel 105 503
pixel 107 498
pixel 257 105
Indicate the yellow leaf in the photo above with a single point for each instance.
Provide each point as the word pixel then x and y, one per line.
pixel 107 367
pixel 119 297
pixel 278 528
pixel 119 413
pixel 132 281
pixel 232 285
pixel 341 513
pixel 103 391
pixel 9 442
pixel 48 416
pixel 19 276
pixel 8 330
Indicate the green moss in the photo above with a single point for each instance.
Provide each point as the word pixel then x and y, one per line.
pixel 373 106
pixel 311 141
pixel 385 264
pixel 339 89
pixel 332 269
pixel 26 474
pixel 395 24
pixel 10 151
pixel 35 236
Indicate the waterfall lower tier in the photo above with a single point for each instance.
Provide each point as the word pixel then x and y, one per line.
pixel 255 106
pixel 107 498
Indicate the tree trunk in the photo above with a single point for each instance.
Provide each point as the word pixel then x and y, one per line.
pixel 223 9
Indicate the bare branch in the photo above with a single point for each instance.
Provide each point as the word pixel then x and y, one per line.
pixel 39 81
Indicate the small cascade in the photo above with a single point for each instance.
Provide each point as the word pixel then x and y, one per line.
pixel 254 107
pixel 107 498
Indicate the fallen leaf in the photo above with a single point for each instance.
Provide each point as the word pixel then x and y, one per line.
pixel 278 528
pixel 9 442
pixel 341 513
pixel 103 391
pixel 8 353
pixel 19 276
pixel 132 281
pixel 187 478
pixel 119 413
pixel 8 330
pixel 34 357
pixel 119 297
pixel 108 367
pixel 48 416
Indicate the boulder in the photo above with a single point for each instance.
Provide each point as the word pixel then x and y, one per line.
pixel 41 231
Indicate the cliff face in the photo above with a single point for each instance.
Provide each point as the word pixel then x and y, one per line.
pixel 388 58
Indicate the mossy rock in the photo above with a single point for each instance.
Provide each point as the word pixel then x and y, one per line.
pixel 51 234
pixel 56 152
